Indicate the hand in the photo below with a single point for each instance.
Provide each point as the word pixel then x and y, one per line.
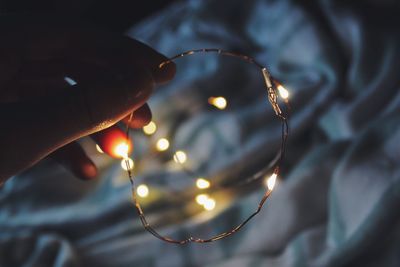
pixel 42 114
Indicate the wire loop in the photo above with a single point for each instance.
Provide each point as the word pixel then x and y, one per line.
pixel 271 86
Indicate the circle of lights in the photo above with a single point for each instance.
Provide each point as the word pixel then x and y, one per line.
pixel 274 90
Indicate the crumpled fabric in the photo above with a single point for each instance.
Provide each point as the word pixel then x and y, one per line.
pixel 337 203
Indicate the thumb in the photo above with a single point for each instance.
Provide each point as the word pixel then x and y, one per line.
pixel 34 129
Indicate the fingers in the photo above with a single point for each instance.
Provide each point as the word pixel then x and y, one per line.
pixel 74 158
pixel 33 129
pixel 115 75
pixel 66 40
pixel 111 138
pixel 113 141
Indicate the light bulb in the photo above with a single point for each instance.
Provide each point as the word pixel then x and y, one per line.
pixel 142 190
pixel 218 102
pixel 270 181
pixel 150 128
pixel 162 144
pixel 180 157
pixel 130 163
pixel 201 199
pixel 283 92
pixel 209 204
pixel 202 183
pixel 122 150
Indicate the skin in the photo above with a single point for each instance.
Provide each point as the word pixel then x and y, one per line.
pixel 42 115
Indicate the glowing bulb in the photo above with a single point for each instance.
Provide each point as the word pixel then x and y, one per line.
pixel 271 181
pixel 142 190
pixel 98 148
pixel 218 102
pixel 202 183
pixel 150 128
pixel 122 150
pixel 180 157
pixel 209 204
pixel 124 166
pixel 162 144
pixel 201 199
pixel 283 92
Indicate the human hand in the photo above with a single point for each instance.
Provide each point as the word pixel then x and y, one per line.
pixel 42 115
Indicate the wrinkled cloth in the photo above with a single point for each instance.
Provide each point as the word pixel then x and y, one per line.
pixel 338 201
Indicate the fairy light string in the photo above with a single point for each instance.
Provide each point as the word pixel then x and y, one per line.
pixel 274 92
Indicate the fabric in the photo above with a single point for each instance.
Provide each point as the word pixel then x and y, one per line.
pixel 337 202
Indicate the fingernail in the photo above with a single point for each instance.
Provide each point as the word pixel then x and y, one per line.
pixel 141 86
pixel 89 171
pixel 165 72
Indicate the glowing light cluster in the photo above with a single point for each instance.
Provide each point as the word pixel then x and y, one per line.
pixel 202 183
pixel 218 102
pixel 205 201
pixel 150 128
pixel 142 190
pixel 162 144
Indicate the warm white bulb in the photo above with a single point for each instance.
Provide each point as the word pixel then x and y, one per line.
pixel 124 166
pixel 98 148
pixel 218 102
pixel 150 128
pixel 201 199
pixel 202 183
pixel 162 144
pixel 142 190
pixel 271 181
pixel 283 92
pixel 209 204
pixel 180 157
pixel 122 150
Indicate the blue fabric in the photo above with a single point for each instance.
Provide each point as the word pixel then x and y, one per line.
pixel 338 204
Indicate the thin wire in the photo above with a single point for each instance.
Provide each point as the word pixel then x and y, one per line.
pixel 273 99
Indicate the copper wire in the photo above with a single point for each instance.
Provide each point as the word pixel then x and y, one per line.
pixel 273 99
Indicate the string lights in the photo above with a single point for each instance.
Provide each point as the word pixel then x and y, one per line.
pixel 274 91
